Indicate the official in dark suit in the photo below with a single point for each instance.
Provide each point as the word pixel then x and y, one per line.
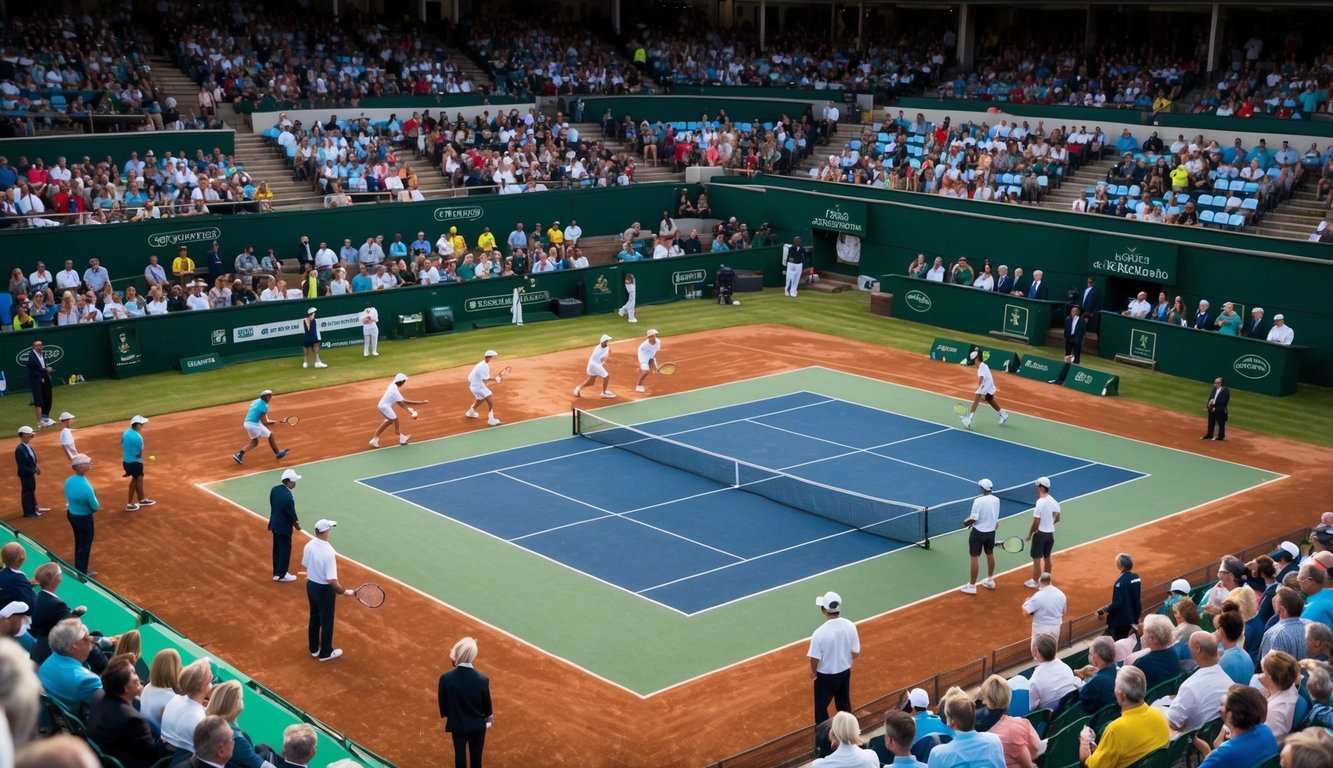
pixel 1075 328
pixel 1099 689
pixel 1126 604
pixel 1005 282
pixel 14 583
pixel 281 522
pixel 113 722
pixel 49 610
pixel 1090 303
pixel 465 704
pixel 39 382
pixel 1202 320
pixel 1038 288
pixel 26 459
pixel 1255 328
pixel 1217 410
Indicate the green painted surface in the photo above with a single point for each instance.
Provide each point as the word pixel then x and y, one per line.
pixel 645 647
pixel 118 146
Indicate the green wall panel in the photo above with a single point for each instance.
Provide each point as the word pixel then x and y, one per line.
pixel 741 110
pixel 75 146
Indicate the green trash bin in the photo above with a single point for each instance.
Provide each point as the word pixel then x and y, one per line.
pixel 439 319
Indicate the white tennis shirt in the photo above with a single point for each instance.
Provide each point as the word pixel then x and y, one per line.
pixel 599 354
pixel 391 395
pixel 833 644
pixel 648 350
pixel 987 385
pixel 480 373
pixel 1046 510
pixel 985 513
pixel 320 561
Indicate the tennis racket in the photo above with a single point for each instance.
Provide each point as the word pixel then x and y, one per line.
pixel 412 412
pixel 666 369
pixel 1013 544
pixel 292 420
pixel 370 595
pixel 503 373
pixel 960 409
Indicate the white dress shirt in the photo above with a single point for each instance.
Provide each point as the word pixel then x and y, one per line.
pixel 1049 683
pixel 1047 609
pixel 1198 700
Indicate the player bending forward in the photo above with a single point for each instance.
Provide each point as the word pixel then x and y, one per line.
pixel 985 390
pixel 597 369
pixel 648 358
pixel 393 396
pixel 481 373
pixel 257 425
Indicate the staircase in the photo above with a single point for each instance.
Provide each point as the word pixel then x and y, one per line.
pixel 643 172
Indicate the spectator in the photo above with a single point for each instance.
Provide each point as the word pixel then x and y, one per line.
pixel 1201 694
pixel 1052 679
pixel 1140 729
pixel 196 299
pixel 1310 748
pixel 64 676
pixel 844 736
pixel 1234 660
pixel 163 677
pixel 299 742
pixel 1017 737
pixel 1098 677
pixel 212 742
pixel 1245 739
pixel 115 725
pixel 183 266
pixel 968 747
pixel 1278 683
pixel 227 701
pixel 1158 661
pixel 246 263
pixel 899 735
pixel 1288 634
pixel 186 710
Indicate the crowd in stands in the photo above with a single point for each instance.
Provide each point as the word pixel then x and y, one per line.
pixel 541 57
pixel 1277 87
pixel 670 240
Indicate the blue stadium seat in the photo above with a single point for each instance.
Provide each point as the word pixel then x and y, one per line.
pixel 1205 201
pixel 1236 221
pixel 1206 217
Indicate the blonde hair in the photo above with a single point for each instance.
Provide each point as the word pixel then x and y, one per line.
pixel 195 677
pixel 995 694
pixel 226 701
pixel 464 651
pixel 1245 600
pixel 130 644
pixel 165 671
pixel 846 729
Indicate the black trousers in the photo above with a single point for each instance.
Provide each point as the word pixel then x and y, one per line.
pixel 1218 420
pixel 321 617
pixel 467 748
pixel 1118 631
pixel 282 554
pixel 28 484
pixel 84 530
pixel 836 687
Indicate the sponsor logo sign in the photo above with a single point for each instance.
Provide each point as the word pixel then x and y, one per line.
pixel 294 327
pixel 183 237
pixel 51 353
pixel 917 301
pixel 1252 367
pixel 471 213
pixel 506 301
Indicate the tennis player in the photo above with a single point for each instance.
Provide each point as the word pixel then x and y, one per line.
pixel 393 396
pixel 481 373
pixel 1042 533
pixel 984 519
pixel 985 389
pixel 627 310
pixel 131 446
pixel 597 369
pixel 257 426
pixel 648 358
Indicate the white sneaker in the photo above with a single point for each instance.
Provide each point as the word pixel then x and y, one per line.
pixel 492 421
pixel 305 364
pixel 336 653
pixel 318 364
pixel 1030 584
pixel 640 389
pixel 988 583
pixel 472 414
pixel 621 311
pixel 374 442
pixel 967 422
pixel 365 354
pixel 1004 417
pixel 286 577
pixel 374 354
pixel 577 391
pixel 608 394
pixel 968 589
pixel 634 320
pixel 402 439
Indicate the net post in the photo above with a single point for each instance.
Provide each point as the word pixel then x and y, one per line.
pixel 573 420
pixel 925 528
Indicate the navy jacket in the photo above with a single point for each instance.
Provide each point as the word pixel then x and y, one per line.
pixel 14 585
pixel 26 459
pixel 282 510
pixel 36 366
pixel 1004 284
pixel 1219 404
pixel 1099 690
pixel 1125 605
pixel 1075 334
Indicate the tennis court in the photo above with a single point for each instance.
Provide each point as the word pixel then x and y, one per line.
pixel 705 508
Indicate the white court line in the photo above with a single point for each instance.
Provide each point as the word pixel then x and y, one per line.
pixel 630 512
pixel 760 557
pixel 1052 474
pixel 866 450
pixel 621 515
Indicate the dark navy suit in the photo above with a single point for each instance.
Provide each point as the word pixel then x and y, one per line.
pixel 14 585
pixel 281 521
pixel 1125 606
pixel 1099 690
pixel 26 459
pixel 39 381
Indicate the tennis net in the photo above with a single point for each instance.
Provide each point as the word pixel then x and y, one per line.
pixel 895 520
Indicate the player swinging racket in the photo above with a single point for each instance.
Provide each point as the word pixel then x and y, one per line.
pixel 985 390
pixel 983 520
pixel 393 396
pixel 481 373
pixel 257 426
pixel 648 358
pixel 1042 533
pixel 597 369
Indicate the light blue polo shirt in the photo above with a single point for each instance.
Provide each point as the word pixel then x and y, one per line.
pixel 131 445
pixel 79 496
pixel 258 410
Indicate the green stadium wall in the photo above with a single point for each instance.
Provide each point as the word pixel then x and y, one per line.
pixel 75 146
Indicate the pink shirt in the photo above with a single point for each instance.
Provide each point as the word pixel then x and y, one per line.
pixel 1019 739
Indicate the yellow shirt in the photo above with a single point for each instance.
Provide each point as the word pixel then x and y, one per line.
pixel 1129 737
pixel 1179 176
pixel 555 236
pixel 1161 104
pixel 460 245
pixel 486 241
pixel 182 264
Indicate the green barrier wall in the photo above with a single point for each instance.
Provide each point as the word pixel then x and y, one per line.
pixel 124 248
pixel 969 309
pixel 1253 271
pixel 442 101
pixel 763 92
pixel 741 110
pixel 1248 364
pixel 954 351
pixel 74 147
pixel 155 344
pixel 1092 116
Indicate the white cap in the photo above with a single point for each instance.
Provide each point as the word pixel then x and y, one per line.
pixel 1289 548
pixel 918 698
pixel 985 484
pixel 138 420
pixel 323 525
pixel 1279 316
pixel 290 474
pixel 82 458
pixel 605 337
pixel 400 378
pixel 66 415
pixel 1181 586
pixel 652 331
pixel 266 392
pixel 829 601
pixel 1044 482
pixel 490 353
pixel 310 311
pixel 13 609
pixel 25 430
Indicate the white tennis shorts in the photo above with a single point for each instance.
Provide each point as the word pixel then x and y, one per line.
pixel 597 370
pixel 481 393
pixel 256 431
pixel 387 411
pixel 645 364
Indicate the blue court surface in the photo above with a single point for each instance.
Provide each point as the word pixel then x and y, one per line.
pixel 690 543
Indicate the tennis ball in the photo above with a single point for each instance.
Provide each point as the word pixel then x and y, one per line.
pixel 152 458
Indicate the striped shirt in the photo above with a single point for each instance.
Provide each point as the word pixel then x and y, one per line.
pixel 1288 636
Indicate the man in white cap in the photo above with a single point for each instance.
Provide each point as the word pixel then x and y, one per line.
pixel 985 389
pixel 310 340
pixel 131 446
pixel 1281 333
pixel 476 379
pixel 833 648
pixel 1178 589
pixel 281 522
pixel 1287 559
pixel 81 501
pixel 1046 607
pixel 393 396
pixel 597 369
pixel 67 435
pixel 648 358
pixel 26 459
pixel 321 587
pixel 983 520
pixel 257 425
pixel 1041 534
pixel 15 618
